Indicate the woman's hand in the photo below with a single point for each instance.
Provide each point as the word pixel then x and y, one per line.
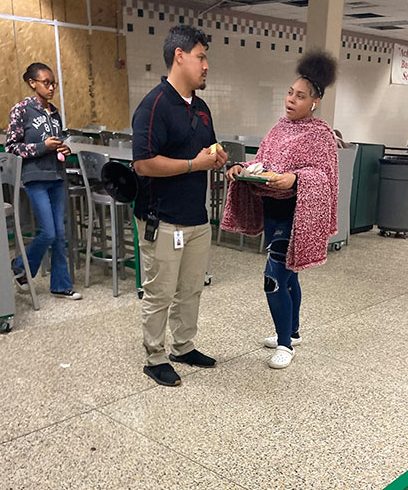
pixel 282 181
pixel 52 143
pixel 233 171
pixel 64 149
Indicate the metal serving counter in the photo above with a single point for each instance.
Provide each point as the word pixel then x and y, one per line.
pixel 114 152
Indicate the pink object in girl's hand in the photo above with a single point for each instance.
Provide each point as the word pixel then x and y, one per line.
pixel 61 157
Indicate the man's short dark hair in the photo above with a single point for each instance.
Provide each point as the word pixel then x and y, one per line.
pixel 184 37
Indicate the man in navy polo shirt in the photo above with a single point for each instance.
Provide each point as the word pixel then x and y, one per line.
pixel 172 133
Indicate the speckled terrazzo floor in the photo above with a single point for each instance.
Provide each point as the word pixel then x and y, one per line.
pixel 78 413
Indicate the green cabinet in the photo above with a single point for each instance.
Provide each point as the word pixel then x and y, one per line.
pixel 364 192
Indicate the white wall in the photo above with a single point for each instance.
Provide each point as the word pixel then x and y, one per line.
pixel 368 107
pixel 246 85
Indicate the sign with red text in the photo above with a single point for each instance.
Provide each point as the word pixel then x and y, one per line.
pixel 399 69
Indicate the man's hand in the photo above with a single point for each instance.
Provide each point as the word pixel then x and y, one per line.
pixel 222 156
pixel 205 160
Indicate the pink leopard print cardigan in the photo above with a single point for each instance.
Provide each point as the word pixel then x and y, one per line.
pixel 307 148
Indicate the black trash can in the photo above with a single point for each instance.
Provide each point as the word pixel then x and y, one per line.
pixel 392 209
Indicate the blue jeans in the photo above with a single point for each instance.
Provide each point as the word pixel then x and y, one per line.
pixel 48 202
pixel 281 285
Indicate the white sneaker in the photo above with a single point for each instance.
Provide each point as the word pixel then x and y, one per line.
pixel 67 294
pixel 282 357
pixel 272 342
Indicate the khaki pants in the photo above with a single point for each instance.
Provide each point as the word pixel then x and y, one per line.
pixel 174 280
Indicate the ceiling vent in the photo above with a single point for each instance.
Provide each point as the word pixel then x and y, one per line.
pixel 359 5
pixel 297 3
pixel 386 23
pixel 386 28
pixel 367 15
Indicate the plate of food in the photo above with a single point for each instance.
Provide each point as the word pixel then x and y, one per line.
pixel 260 178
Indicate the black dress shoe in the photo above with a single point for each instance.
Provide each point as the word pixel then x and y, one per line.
pixel 163 374
pixel 194 358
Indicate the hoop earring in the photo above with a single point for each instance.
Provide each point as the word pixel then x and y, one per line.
pixel 313 106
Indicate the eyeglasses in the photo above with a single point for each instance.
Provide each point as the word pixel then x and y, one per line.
pixel 46 83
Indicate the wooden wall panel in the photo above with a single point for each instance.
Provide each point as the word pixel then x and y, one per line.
pixel 59 8
pixel 23 8
pixel 76 11
pixel 5 7
pixel 111 83
pixel 75 68
pixel 47 9
pixel 35 43
pixel 11 90
pixel 103 12
pixel 106 12
pixel 95 88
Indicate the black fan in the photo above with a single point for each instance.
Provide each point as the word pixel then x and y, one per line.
pixel 119 181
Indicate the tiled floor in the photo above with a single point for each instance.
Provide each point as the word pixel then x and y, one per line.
pixel 78 413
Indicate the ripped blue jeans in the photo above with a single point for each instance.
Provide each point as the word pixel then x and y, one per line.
pixel 281 285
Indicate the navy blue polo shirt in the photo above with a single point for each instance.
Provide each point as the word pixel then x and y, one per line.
pixel 165 124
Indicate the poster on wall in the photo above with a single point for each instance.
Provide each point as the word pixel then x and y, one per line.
pixel 399 67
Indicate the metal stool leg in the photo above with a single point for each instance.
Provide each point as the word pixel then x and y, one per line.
pixel 89 234
pixel 20 240
pixel 114 241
